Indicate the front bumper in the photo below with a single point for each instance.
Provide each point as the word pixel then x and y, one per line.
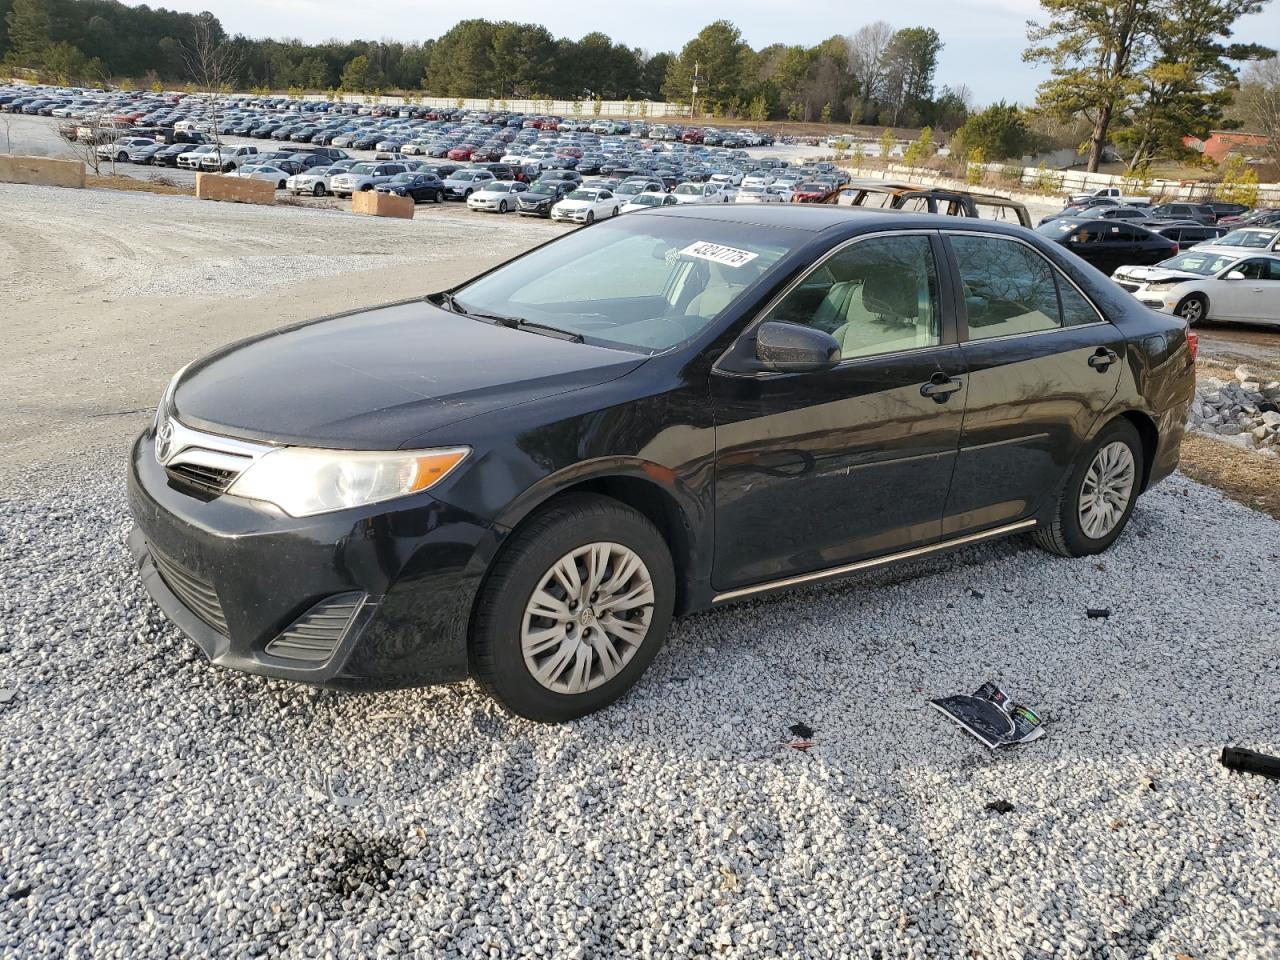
pixel 234 576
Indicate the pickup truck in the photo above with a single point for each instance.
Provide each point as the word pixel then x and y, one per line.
pixel 1110 193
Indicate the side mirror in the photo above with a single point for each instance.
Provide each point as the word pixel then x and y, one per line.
pixel 792 348
pixel 1234 275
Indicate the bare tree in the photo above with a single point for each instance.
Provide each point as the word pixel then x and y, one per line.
pixel 213 64
pixel 85 135
pixel 1257 104
pixel 866 57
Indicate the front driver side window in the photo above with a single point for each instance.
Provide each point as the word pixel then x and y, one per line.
pixel 875 296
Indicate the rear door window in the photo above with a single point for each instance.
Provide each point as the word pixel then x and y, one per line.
pixel 1011 289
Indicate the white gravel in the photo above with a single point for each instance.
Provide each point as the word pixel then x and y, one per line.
pixel 152 803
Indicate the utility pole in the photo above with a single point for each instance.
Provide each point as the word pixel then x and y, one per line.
pixel 693 104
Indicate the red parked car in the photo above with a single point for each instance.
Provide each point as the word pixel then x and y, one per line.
pixel 810 192
pixel 692 135
pixel 462 151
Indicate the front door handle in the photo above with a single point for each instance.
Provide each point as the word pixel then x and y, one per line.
pixel 940 387
pixel 1102 359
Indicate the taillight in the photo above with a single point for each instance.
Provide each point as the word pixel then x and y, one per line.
pixel 1176 250
pixel 1193 344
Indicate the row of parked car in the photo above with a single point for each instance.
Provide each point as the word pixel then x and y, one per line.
pixel 1200 260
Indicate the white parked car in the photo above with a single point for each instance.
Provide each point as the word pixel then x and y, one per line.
pixel 498 196
pixel 264 171
pixel 314 181
pixel 1246 239
pixel 364 176
pixel 191 159
pixel 119 150
pixel 1208 284
pixel 648 201
pixel 759 194
pixel 700 193
pixel 587 206
pixel 227 158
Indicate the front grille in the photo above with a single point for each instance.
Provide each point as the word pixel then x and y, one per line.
pixel 196 594
pixel 202 478
pixel 316 634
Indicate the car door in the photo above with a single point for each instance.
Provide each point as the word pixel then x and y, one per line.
pixel 1043 366
pixel 814 470
pixel 1255 297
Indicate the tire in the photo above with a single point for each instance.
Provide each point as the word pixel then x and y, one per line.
pixel 439 197
pixel 317 190
pixel 228 167
pixel 466 196
pixel 281 185
pixel 1192 308
pixel 615 212
pixel 580 522
pixel 366 188
pixel 1065 533
pixel 591 217
pixel 502 206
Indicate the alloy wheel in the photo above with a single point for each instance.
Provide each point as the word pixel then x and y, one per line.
pixel 1192 310
pixel 587 617
pixel 1107 490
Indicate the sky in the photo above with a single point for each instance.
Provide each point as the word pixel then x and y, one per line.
pixel 983 39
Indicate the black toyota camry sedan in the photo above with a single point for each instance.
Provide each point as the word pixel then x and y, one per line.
pixel 524 478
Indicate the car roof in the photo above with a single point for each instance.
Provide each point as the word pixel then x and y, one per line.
pixel 819 217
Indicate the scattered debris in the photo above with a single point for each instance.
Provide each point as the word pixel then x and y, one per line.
pixel 976 594
pixel 801 745
pixel 802 730
pixel 1250 761
pixel 1098 613
pixel 989 716
pixel 1000 806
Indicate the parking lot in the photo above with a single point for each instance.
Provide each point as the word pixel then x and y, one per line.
pixel 152 799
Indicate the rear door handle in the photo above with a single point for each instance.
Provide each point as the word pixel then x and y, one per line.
pixel 1102 359
pixel 940 387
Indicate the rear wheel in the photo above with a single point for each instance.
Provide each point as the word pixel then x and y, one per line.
pixel 574 610
pixel 439 196
pixel 121 157
pixel 1192 308
pixel 1097 500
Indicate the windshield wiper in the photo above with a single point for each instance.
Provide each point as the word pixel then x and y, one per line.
pixel 511 323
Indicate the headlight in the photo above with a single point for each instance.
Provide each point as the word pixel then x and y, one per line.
pixel 1162 286
pixel 303 482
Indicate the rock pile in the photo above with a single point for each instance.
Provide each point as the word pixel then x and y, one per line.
pixel 1243 411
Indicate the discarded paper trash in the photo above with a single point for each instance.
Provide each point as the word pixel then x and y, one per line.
pixel 990 717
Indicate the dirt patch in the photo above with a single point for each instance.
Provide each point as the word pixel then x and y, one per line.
pixel 160 185
pixel 1246 477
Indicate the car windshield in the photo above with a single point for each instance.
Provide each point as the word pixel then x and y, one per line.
pixel 644 284
pixel 1254 239
pixel 811 187
pixel 542 189
pixel 648 199
pixel 688 189
pixel 404 178
pixel 1204 264
pixel 464 175
pixel 583 195
pixel 363 168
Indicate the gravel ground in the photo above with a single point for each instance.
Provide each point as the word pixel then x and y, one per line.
pixel 152 800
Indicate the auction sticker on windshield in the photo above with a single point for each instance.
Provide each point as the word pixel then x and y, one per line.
pixel 728 256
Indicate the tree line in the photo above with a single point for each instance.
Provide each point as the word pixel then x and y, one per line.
pixel 877 74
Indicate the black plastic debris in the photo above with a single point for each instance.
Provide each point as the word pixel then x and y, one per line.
pixel 1250 761
pixel 1000 806
pixel 1098 613
pixel 801 730
pixel 976 594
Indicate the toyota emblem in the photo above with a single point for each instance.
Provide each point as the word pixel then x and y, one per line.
pixel 164 439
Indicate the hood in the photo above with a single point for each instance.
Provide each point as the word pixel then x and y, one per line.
pixel 1156 274
pixel 378 378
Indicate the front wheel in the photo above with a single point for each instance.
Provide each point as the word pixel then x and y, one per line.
pixel 591 217
pixel 574 610
pixel 1097 500
pixel 281 185
pixel 615 212
pixel 1192 308
pixel 502 206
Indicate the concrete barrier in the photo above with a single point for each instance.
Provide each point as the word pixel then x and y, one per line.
pixel 218 186
pixel 374 204
pixel 44 171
